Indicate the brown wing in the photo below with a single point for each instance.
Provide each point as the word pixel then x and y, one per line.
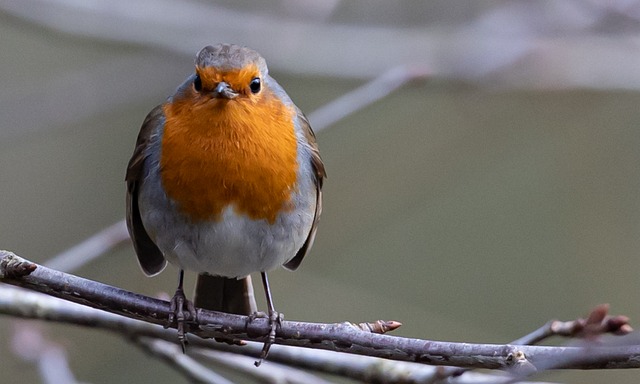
pixel 149 256
pixel 320 174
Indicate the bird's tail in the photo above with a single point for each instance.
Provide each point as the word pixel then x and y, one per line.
pixel 222 294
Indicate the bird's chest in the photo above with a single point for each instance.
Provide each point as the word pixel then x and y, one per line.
pixel 243 158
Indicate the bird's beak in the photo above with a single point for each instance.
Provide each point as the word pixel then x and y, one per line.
pixel 224 90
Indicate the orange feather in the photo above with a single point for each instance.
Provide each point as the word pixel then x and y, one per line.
pixel 219 152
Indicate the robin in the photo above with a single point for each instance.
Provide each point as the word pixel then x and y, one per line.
pixel 225 180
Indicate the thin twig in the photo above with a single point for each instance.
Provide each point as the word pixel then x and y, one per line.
pixel 361 97
pixel 90 249
pixel 188 367
pixel 269 372
pixel 343 337
pixel 597 323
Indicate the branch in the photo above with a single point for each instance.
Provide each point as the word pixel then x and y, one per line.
pixel 343 337
pixel 597 323
pixel 32 305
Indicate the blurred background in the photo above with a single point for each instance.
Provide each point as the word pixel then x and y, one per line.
pixel 474 206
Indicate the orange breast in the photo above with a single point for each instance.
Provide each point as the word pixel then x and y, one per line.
pixel 220 152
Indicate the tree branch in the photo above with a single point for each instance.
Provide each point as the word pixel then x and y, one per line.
pixel 597 323
pixel 26 304
pixel 343 337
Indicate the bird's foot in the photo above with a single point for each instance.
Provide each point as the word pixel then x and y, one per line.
pixel 275 320
pixel 179 316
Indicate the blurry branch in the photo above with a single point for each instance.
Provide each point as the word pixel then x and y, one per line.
pixel 172 354
pixel 361 97
pixel 274 373
pixel 564 44
pixel 343 337
pixel 31 345
pixel 90 248
pixel 198 373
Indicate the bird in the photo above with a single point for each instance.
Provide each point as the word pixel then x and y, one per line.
pixel 225 180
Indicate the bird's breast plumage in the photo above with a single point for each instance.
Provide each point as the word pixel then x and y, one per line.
pixel 221 153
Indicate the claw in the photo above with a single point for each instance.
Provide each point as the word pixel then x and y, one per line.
pixel 178 316
pixel 275 320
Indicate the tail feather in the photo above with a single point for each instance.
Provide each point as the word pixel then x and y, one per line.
pixel 222 294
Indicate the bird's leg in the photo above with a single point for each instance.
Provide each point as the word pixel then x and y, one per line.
pixel 177 312
pixel 274 317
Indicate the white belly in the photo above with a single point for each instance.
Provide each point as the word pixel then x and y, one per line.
pixel 235 246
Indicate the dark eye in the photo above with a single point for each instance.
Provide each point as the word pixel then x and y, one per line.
pixel 197 83
pixel 255 85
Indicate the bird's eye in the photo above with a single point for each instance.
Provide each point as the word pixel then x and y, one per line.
pixel 255 85
pixel 197 83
